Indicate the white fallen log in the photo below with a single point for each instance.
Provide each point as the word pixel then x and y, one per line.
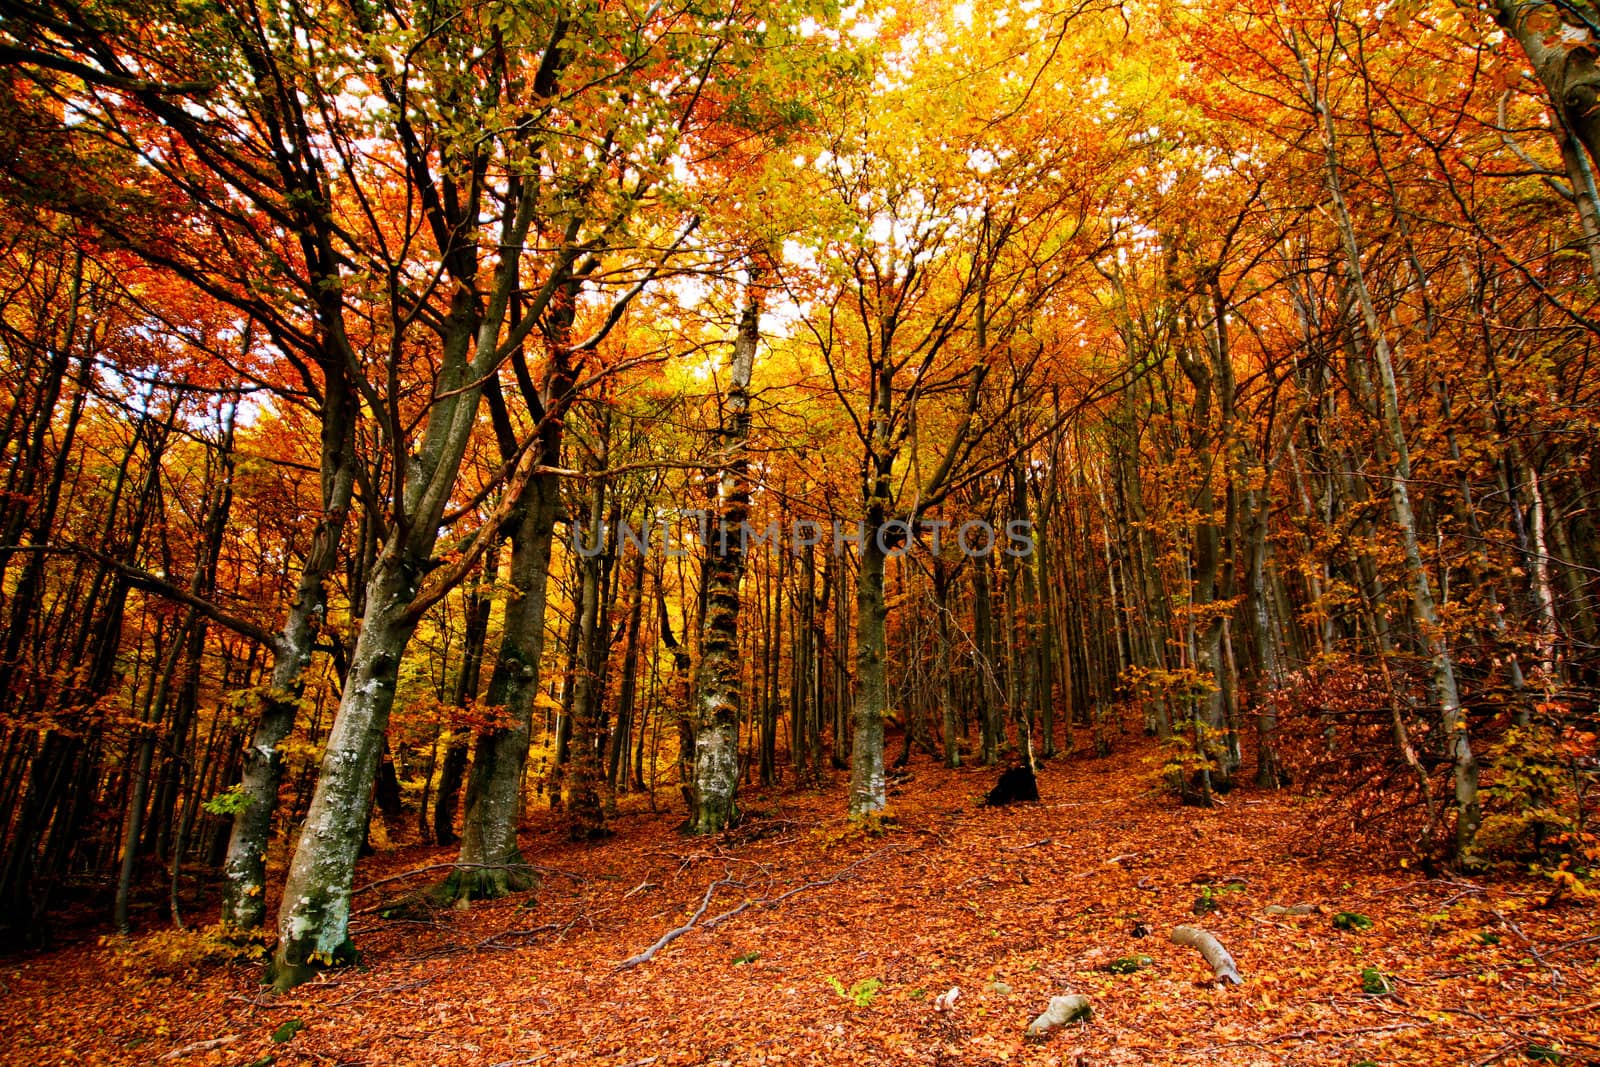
pixel 1221 963
pixel 1062 1010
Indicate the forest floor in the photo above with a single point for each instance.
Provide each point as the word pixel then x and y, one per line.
pixel 854 937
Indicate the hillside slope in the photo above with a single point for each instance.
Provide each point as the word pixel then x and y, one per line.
pixel 850 937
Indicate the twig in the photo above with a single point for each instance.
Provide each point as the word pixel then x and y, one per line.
pixel 493 940
pixel 715 921
pixel 362 994
pixel 1031 844
pixel 1500 1053
pixel 837 876
pixel 1572 944
pixel 257 1001
pixel 1533 950
pixel 1318 1034
pixel 672 935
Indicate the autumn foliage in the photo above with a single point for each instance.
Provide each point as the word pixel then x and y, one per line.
pixel 1192 404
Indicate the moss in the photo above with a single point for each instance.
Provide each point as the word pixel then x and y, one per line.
pixel 485 883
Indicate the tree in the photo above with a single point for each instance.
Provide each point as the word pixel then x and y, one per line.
pixel 718 683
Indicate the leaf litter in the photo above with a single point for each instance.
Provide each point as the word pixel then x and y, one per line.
pixel 1013 906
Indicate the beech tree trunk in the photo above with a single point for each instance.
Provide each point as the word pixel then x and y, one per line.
pixel 490 856
pixel 244 905
pixel 718 696
pixel 1561 47
pixel 313 920
pixel 584 776
pixel 463 694
pixel 868 786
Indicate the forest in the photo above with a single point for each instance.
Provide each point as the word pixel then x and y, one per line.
pixel 556 466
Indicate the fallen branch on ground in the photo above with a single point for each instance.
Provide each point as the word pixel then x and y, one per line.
pixel 1319 1035
pixel 837 876
pixel 672 935
pixel 1527 943
pixel 494 940
pixel 1031 844
pixel 1209 947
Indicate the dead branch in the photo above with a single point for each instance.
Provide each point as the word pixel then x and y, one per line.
pixel 1209 947
pixel 493 940
pixel 1319 1035
pixel 672 935
pixel 716 920
pixel 1031 844
pixel 836 877
pixel 363 994
pixel 1527 943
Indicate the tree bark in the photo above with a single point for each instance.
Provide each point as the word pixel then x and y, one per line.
pixel 868 786
pixel 718 695
pixel 244 871
pixel 313 920
pixel 1561 47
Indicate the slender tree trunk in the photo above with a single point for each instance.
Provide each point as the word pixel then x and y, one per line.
pixel 585 776
pixel 490 855
pixel 464 694
pixel 140 775
pixel 868 786
pixel 627 693
pixel 244 870
pixel 717 685
pixel 489 828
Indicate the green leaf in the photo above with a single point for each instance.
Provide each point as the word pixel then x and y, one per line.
pixel 287 1030
pixel 1373 982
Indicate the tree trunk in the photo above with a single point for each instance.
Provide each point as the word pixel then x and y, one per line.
pixel 244 904
pixel 313 923
pixel 464 694
pixel 489 828
pixel 717 684
pixel 1561 48
pixel 868 787
pixel 585 777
